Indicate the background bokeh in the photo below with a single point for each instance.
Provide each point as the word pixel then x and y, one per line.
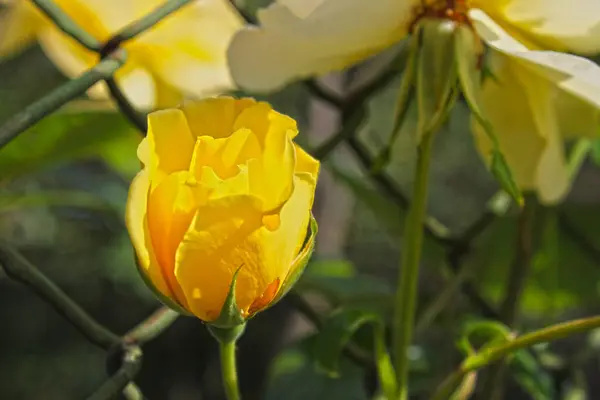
pixel 63 186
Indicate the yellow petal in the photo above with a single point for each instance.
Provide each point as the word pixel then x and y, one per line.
pixel 306 163
pixel 214 247
pixel 166 95
pixel 137 226
pixel 138 86
pixel 271 176
pixel 295 41
pixel 68 55
pixel 170 143
pixel 18 27
pixel 226 155
pixel 214 117
pixel 188 51
pixel 577 80
pixel 519 106
pixel 171 207
pixel 575 28
pixel 227 234
pixel 280 247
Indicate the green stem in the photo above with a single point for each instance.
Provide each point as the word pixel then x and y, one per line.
pixel 228 369
pixel 517 279
pixel 406 292
pixel 227 338
pixel 492 354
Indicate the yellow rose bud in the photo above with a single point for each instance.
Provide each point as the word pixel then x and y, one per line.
pixel 224 189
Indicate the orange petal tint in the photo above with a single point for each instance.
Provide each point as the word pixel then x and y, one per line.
pixel 271 222
pixel 265 299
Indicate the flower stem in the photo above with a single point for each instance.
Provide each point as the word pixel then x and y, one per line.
pixel 406 291
pixel 480 360
pixel 227 338
pixel 228 369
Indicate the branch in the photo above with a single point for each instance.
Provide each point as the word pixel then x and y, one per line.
pixel 21 270
pixel 58 97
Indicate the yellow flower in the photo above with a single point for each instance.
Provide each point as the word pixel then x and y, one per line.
pixel 536 99
pixel 182 56
pixel 224 187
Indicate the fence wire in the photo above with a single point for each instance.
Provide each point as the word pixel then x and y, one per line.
pixel 125 352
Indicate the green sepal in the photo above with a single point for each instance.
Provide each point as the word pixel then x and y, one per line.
pixel 161 297
pixel 226 335
pixel 403 102
pixel 470 77
pixel 231 315
pixel 301 261
pixel 436 75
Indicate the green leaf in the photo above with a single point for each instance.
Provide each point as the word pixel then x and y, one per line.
pixel 336 333
pixel 531 376
pixel 467 57
pixel 595 151
pixel 436 75
pixel 503 174
pixel 564 273
pixel 293 377
pixel 60 138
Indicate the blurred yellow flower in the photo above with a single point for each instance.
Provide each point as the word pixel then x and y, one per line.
pixel 537 98
pixel 224 187
pixel 182 56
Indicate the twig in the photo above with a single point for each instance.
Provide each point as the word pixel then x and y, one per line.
pixel 21 270
pixel 131 364
pixel 67 25
pixel 58 97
